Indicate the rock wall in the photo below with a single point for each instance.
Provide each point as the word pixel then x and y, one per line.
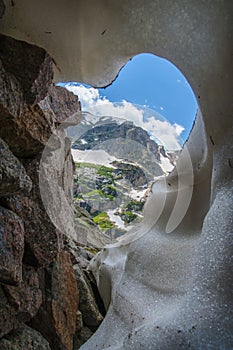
pixel 44 304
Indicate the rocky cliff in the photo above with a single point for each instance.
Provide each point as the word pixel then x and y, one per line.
pixel 46 298
pixel 110 128
pixel 107 132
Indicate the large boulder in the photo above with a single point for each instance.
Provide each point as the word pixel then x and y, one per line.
pixel 28 133
pixel 11 98
pixel 62 102
pixel 30 65
pixel 25 76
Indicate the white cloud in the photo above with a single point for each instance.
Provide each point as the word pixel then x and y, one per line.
pixel 179 128
pixel 88 96
pixel 164 132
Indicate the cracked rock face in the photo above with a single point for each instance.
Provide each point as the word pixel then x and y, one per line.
pixel 36 222
pixel 13 176
pixel 26 297
pixel 11 247
pixel 88 307
pixel 61 102
pixel 28 133
pixel 35 77
pixel 8 319
pixel 37 280
pixel 60 303
pixel 24 126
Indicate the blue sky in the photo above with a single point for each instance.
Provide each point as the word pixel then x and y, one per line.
pixel 150 81
pixel 155 82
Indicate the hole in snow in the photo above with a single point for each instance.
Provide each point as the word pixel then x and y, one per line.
pixel 131 132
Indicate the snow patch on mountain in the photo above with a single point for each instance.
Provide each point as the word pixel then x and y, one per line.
pixel 93 120
pixel 93 156
pixel 165 164
pixel 116 219
pixel 111 119
pixel 137 194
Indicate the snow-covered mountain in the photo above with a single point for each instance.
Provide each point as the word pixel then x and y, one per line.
pixel 116 162
pixel 107 132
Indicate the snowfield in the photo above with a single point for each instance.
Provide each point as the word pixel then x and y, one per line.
pixel 93 156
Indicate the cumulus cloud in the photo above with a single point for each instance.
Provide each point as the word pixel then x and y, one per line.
pixel 166 133
pixel 89 97
pixel 162 131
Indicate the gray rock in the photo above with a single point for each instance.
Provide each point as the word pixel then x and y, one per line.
pixel 8 316
pixel 26 298
pixel 24 338
pixel 62 102
pixel 28 133
pixel 11 247
pixel 30 65
pixel 84 221
pixel 79 321
pixel 13 176
pixel 38 226
pixel 56 318
pixel 11 97
pixel 81 337
pixel 87 304
pixel 25 76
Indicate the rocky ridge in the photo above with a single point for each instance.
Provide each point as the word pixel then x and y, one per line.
pixel 95 133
